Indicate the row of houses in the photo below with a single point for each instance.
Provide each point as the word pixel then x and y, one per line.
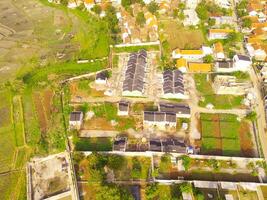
pixel 257 32
pixel 134 77
pixel 170 145
pixel 173 85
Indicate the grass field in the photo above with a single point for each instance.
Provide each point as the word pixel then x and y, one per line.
pixel 215 138
pixel 93 144
pixel 178 36
pixel 218 101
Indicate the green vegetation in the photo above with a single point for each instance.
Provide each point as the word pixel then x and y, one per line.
pixel 242 8
pixel 220 134
pixel 153 7
pixel 140 19
pixel 92 144
pixel 218 101
pixel 136 48
pixel 60 71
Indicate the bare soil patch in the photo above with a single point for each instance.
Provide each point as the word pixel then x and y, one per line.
pixel 40 112
pixel 246 140
pixel 97 123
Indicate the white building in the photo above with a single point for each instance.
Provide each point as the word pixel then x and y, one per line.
pixel 76 119
pixel 191 18
pixel 221 34
pixel 223 3
pixel 161 120
pixel 256 51
pixel 241 63
pixel 123 108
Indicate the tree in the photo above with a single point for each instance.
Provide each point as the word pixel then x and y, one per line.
pixel 97 9
pixel 252 116
pixel 96 167
pixel 116 161
pixel 64 2
pixel 181 6
pixel 234 37
pixel 246 22
pixel 140 19
pixel 211 21
pixel 186 187
pixel 152 7
pixel 85 108
pixel 202 11
pixel 152 191
pixel 136 169
pixel 186 162
pixel 208 59
pixel 112 192
pixel 126 3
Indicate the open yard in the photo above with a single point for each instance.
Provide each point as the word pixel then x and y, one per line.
pixel 177 36
pixel 106 118
pixel 223 134
pixel 93 144
pixel 208 96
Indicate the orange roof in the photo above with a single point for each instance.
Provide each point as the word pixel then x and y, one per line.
pixel 88 1
pixel 218 47
pixel 191 52
pixel 181 62
pixel 221 31
pixel 253 40
pixel 199 67
pixel 255 6
pixel 258 25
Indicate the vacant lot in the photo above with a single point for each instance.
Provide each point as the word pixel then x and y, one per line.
pixel 223 134
pixel 206 92
pixel 178 36
pixel 93 144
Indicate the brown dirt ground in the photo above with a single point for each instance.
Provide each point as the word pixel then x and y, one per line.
pixel 83 93
pixel 97 123
pixel 217 134
pixel 180 37
pixel 40 112
pixel 47 101
pixel 245 140
pixel 83 168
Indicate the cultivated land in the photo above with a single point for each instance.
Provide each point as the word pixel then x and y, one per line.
pixel 223 134
pixel 40 44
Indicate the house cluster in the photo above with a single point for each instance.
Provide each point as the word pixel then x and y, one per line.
pixel 192 60
pixel 134 33
pixel 257 33
pixel 166 116
pixel 173 145
pixel 134 77
pixel 191 17
pixel 173 85
pixel 224 84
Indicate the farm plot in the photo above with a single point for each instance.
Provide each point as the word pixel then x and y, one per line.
pixel 18 121
pixel 93 144
pixel 221 135
pixel 106 118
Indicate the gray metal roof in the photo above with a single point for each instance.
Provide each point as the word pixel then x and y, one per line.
pixel 173 82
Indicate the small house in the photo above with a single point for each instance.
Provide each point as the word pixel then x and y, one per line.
pixel 241 62
pixel 160 120
pixel 181 110
pixel 173 146
pixel 215 34
pixel 89 4
pixel 119 144
pixel 199 67
pixel 101 77
pixel 224 66
pixel 181 64
pixel 191 18
pixel 218 51
pixel 76 119
pixel 155 145
pixel 189 55
pixel 123 108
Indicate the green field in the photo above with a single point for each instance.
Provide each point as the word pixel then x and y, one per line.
pixel 93 144
pixel 220 134
pixel 204 87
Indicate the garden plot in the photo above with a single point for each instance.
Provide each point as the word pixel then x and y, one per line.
pixel 105 118
pixel 223 134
